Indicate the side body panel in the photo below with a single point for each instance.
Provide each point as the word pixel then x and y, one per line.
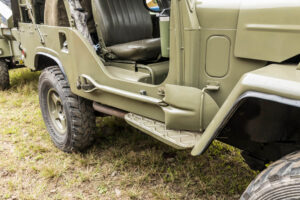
pixel 5 48
pixel 218 21
pixel 268 30
pixel 82 59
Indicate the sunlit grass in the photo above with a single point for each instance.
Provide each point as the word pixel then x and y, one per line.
pixel 123 164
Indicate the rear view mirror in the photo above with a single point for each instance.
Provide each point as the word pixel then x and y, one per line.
pixel 152 5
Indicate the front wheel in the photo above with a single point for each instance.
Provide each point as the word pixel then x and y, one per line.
pixel 69 119
pixel 281 180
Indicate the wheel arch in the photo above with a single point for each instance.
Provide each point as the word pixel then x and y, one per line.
pixel 43 60
pixel 265 126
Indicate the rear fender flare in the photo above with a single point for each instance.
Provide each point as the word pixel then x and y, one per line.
pixel 51 57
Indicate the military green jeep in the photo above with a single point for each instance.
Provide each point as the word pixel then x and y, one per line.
pixel 10 53
pixel 186 72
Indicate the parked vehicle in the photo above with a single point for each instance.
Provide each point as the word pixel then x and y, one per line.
pixel 187 73
pixel 10 54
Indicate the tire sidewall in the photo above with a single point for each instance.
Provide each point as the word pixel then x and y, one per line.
pixel 281 180
pixel 48 81
pixel 4 76
pixel 274 188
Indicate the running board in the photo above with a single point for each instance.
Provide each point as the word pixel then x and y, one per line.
pixel 156 129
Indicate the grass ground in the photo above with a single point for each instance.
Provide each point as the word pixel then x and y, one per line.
pixel 123 164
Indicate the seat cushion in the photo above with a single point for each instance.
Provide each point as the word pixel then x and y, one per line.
pixel 140 50
pixel 122 21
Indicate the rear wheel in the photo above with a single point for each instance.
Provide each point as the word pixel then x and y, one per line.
pixel 4 76
pixel 281 180
pixel 70 119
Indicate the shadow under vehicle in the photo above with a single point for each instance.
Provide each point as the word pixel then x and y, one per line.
pixel 186 72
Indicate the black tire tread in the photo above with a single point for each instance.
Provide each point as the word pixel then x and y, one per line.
pixel 81 113
pixel 287 169
pixel 4 76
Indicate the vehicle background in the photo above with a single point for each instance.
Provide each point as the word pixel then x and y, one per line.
pixel 3 19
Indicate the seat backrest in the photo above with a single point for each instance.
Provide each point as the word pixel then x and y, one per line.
pixel 122 21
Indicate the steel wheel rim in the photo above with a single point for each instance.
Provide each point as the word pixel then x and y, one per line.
pixel 56 111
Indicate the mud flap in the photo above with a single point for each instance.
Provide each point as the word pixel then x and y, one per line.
pixel 188 108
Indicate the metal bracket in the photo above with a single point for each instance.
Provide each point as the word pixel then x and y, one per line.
pixel 212 86
pixel 84 84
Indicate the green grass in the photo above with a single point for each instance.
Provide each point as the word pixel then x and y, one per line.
pixel 123 164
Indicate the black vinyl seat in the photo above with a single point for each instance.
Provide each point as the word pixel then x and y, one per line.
pixel 126 28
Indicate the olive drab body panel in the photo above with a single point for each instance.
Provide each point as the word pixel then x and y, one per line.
pixel 261 26
pixel 6 49
pixel 179 74
pixel 10 52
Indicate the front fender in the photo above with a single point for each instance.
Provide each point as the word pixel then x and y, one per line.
pixel 277 82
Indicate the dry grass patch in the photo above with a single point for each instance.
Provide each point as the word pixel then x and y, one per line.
pixel 123 164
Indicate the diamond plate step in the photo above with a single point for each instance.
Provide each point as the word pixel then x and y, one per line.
pixel 174 138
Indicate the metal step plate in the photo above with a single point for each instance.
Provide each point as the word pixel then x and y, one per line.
pixel 174 138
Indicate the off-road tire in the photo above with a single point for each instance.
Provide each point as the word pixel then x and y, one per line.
pixel 4 76
pixel 79 113
pixel 281 180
